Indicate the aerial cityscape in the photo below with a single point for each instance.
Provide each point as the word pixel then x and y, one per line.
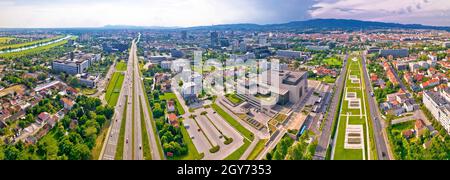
pixel 225 80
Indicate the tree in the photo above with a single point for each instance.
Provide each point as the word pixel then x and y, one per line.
pixel 48 148
pixel 297 152
pixel 296 64
pixel 80 152
pixel 157 111
pixel 42 76
pixel 2 153
pixel 11 153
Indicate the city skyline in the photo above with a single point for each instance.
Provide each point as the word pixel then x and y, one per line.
pixel 175 13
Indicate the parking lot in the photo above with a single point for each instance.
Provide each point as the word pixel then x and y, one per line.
pixel 210 130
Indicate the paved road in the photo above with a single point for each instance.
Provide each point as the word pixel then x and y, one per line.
pixel 133 89
pixel 325 137
pixel 377 122
pixel 139 92
pixel 113 137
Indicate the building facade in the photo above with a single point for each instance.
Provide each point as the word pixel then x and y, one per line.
pixel 437 103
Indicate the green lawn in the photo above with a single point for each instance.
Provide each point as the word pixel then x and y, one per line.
pixel 333 61
pixel 257 150
pixel 145 139
pixel 245 132
pixel 355 68
pixel 99 141
pixel 121 140
pixel 172 96
pixel 341 153
pixel 114 87
pixel 233 98
pixel 121 66
pixel 326 79
pixel 236 155
pixel 88 91
pixel 193 153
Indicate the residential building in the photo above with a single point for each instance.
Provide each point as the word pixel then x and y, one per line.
pixel 289 54
pixel 396 53
pixel 70 67
pixel 438 106
pixel 166 64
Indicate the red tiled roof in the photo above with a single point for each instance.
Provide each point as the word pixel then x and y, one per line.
pixel 44 116
pixel 172 117
pixel 419 124
pixel 67 101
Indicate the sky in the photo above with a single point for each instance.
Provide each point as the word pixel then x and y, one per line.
pixel 187 13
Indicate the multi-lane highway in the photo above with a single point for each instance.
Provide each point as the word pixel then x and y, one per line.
pixel 377 122
pixel 132 92
pixel 325 137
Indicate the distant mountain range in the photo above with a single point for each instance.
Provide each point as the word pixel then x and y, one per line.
pixel 308 25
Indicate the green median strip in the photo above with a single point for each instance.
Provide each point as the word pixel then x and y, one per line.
pixel 258 149
pixel 248 136
pixel 228 140
pixel 241 129
pixel 121 140
pixel 145 140
pixel 236 155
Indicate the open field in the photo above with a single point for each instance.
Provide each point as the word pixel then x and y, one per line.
pixel 121 66
pixel 33 51
pixel 4 40
pixel 354 111
pixel 31 43
pixel 114 87
pixel 17 89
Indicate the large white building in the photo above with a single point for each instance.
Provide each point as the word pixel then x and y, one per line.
pixel 289 54
pixel 70 67
pixel 77 64
pixel 438 104
pixel 290 87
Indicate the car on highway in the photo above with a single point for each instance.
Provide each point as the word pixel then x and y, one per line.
pixel 140 146
pixel 127 141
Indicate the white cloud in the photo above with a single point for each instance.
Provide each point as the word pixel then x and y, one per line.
pixel 94 13
pixel 430 12
pixel 67 13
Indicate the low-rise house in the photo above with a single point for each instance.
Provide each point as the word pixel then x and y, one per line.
pixel 420 127
pixel 68 104
pixel 73 124
pixel 170 106
pixel 173 119
pixel 43 117
pixel 408 133
pixel 430 83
